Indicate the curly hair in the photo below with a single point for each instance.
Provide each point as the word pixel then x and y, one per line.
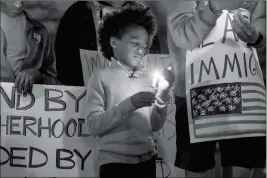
pixel 115 24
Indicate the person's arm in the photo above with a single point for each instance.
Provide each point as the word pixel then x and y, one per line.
pixel 159 111
pixel 48 69
pixel 188 28
pixel 7 75
pixel 258 20
pixel 99 120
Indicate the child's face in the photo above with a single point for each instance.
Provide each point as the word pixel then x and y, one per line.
pixel 12 7
pixel 132 46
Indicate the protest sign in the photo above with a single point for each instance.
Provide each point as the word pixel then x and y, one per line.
pixel 224 85
pixel 44 133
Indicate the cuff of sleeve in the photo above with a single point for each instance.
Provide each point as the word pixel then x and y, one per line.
pixel 161 103
pixel 126 107
pixel 261 44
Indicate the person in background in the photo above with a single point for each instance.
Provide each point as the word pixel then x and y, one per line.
pixel 78 30
pixel 27 56
pixel 121 108
pixel 187 29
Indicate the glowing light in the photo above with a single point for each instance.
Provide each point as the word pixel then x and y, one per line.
pixel 156 76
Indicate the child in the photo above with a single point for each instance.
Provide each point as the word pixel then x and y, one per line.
pixel 119 97
pixel 26 53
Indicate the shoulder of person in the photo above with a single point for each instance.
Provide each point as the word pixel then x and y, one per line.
pixel 42 30
pixel 33 21
pixel 180 6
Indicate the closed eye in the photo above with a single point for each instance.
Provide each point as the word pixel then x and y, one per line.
pixel 136 43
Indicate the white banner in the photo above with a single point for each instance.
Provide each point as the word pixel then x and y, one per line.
pixel 44 134
pixel 225 90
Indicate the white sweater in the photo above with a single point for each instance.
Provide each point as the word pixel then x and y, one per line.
pixel 125 133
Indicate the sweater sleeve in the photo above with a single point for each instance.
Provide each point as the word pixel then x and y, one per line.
pixel 159 112
pixel 99 120
pixel 188 27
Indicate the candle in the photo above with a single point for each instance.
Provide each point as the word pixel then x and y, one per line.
pixel 156 76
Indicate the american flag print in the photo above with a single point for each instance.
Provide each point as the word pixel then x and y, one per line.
pixel 228 109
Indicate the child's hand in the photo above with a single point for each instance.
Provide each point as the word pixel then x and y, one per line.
pixel 166 80
pixel 143 99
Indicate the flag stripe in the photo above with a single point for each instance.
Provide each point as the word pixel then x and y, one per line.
pixel 228 116
pixel 253 96
pixel 261 132
pixel 253 88
pixel 253 91
pixel 230 122
pixel 253 84
pixel 249 108
pixel 254 100
pixel 248 104
pixel 232 117
pixel 233 128
pixel 255 112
